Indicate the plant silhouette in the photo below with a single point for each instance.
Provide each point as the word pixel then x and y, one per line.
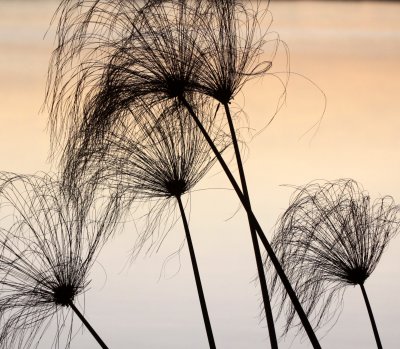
pixel 331 236
pixel 162 54
pixel 155 161
pixel 132 54
pixel 48 243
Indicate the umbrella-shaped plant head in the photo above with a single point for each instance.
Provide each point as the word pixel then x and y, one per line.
pixel 236 47
pixel 151 153
pixel 155 157
pixel 118 53
pixel 332 236
pixel 48 244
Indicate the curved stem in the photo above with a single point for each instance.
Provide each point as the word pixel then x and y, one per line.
pixel 196 272
pixel 279 270
pixel 263 283
pixel 371 317
pixel 88 326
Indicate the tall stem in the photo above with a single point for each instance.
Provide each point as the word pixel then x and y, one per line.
pixel 263 283
pixel 279 270
pixel 196 272
pixel 371 317
pixel 88 326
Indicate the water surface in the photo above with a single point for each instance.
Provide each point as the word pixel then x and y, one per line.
pixel 351 51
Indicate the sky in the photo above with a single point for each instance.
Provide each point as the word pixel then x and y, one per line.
pixel 340 120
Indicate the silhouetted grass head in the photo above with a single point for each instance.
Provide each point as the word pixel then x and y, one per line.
pixel 114 53
pixel 152 155
pixel 331 236
pixel 48 243
pixel 154 151
pixel 235 40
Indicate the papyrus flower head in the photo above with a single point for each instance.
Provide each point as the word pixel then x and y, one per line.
pixel 48 243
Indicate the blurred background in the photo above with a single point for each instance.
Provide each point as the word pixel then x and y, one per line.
pixel 343 56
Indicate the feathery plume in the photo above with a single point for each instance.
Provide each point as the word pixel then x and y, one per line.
pixel 48 244
pixel 331 236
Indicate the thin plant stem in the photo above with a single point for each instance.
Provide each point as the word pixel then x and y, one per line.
pixel 279 270
pixel 196 272
pixel 88 326
pixel 371 317
pixel 261 275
